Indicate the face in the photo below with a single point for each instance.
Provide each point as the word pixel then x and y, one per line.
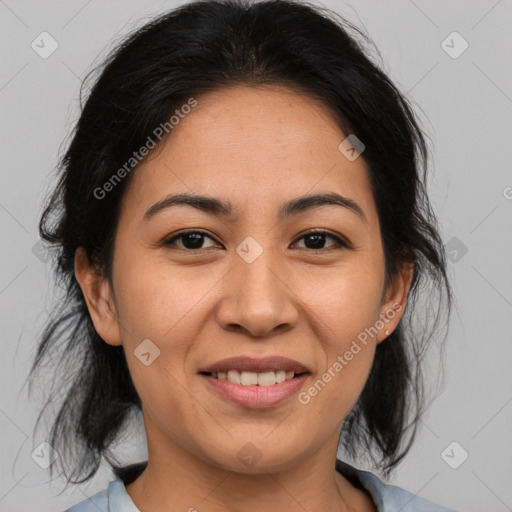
pixel 249 278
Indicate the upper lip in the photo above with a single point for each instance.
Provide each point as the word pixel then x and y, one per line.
pixel 250 364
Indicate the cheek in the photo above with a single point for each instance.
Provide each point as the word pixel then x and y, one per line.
pixel 345 308
pixel 155 298
pixel 349 349
pixel 346 299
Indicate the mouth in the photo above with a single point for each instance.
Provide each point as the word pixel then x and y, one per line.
pixel 255 383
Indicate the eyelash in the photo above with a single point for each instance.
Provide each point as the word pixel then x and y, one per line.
pixel 340 243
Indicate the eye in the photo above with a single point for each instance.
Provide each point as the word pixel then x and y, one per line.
pixel 190 240
pixel 315 240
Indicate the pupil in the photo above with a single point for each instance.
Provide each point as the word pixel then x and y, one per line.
pixel 318 241
pixel 197 240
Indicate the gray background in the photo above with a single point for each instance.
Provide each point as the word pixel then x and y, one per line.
pixel 465 104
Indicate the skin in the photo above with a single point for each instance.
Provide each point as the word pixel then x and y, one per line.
pixel 256 148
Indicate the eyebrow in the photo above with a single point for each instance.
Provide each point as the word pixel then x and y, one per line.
pixel 217 207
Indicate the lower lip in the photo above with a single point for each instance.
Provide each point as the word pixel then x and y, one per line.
pixel 256 397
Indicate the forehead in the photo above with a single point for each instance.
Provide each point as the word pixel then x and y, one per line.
pixel 252 145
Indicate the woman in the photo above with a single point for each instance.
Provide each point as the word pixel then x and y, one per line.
pixel 242 227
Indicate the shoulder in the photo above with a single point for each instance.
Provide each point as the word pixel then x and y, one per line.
pixel 98 502
pixel 395 498
pixel 390 498
pixel 113 498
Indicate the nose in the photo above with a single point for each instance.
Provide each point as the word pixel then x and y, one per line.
pixel 258 298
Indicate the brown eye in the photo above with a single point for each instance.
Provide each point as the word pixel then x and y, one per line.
pixel 316 240
pixel 191 240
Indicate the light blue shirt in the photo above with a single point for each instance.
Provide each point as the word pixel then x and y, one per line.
pixel 387 498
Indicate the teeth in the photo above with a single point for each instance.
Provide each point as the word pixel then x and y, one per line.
pixel 252 378
pixel 281 376
pixel 234 377
pixel 248 378
pixel 266 378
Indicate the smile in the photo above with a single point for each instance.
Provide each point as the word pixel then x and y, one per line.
pixel 254 395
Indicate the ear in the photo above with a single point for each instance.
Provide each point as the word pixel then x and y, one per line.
pixel 394 301
pixel 98 297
